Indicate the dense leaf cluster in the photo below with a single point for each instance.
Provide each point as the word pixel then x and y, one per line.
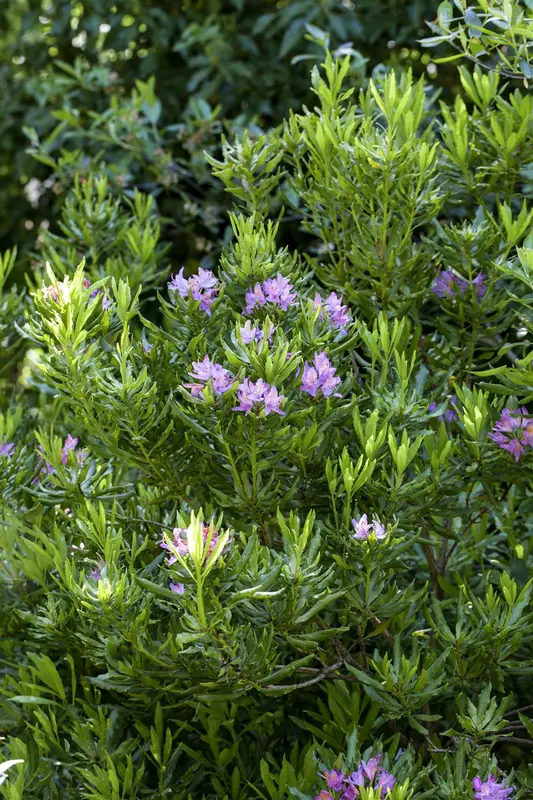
pixel 266 516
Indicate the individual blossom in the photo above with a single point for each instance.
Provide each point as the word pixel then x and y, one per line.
pixel 446 284
pixel 513 431
pixel 479 285
pixel 449 415
pixel 206 371
pixel 257 396
pixel 319 377
pixel 324 795
pixel 250 333
pixel 490 789
pixel 180 542
pixel 203 287
pixel 6 448
pixel 177 588
pixel 363 529
pixel 278 291
pixel 336 312
pixel 334 779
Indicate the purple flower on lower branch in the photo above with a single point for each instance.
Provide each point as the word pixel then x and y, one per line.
pixel 447 284
pixel 203 287
pixel 277 291
pixel 254 396
pixel 513 431
pixel 334 779
pixel 181 545
pixel 177 588
pixel 363 528
pixel 337 314
pixel 490 789
pixel 207 370
pixel 6 449
pixel 320 376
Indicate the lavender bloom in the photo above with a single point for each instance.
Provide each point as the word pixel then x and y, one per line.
pixel 106 303
pixel 203 287
pixel 479 284
pixel 386 781
pixel 490 789
pixel 369 774
pixel 181 545
pixel 250 394
pixel 7 449
pixel 95 574
pixel 207 370
pixel 337 313
pixel 277 291
pixel 177 588
pixel 446 283
pixel 334 779
pixel 250 333
pixel 363 529
pixel 254 297
pixel 320 376
pixel 449 415
pixel 513 431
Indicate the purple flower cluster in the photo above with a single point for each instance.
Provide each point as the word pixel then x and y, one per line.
pixel 251 333
pixel 257 396
pixel 319 377
pixel 490 789
pixel 513 431
pixel 7 449
pixel 346 787
pixel 206 370
pixel 277 291
pixel 69 445
pixel 181 545
pixel 363 528
pixel 337 314
pixel 446 284
pixel 449 415
pixel 203 287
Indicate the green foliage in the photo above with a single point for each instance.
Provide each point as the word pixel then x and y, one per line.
pixel 274 519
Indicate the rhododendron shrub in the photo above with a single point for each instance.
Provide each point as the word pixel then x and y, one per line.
pixel 266 528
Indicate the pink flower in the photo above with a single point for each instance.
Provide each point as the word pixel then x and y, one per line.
pixel 490 789
pixel 321 376
pixel 207 370
pixel 277 291
pixel 203 287
pixel 180 543
pixel 363 529
pixel 250 395
pixel 337 314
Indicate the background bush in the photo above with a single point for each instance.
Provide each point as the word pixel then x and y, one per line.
pixel 265 447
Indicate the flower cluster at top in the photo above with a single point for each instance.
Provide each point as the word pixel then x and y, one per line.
pixel 490 789
pixel 258 396
pixel 337 314
pixel 346 787
pixel 363 529
pixel 69 445
pixel 203 287
pixel 6 448
pixel 182 547
pixel 319 377
pixel 513 431
pixel 207 371
pixel 276 291
pixel 447 284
